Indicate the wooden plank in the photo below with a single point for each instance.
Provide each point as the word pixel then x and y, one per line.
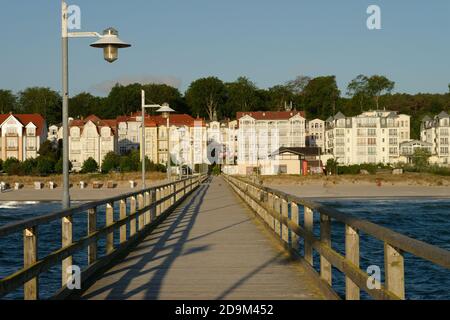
pixel 133 203
pixel 123 215
pixel 394 270
pixel 92 228
pixel 352 291
pixel 325 238
pixel 30 256
pixel 109 221
pixel 67 237
pixel 309 225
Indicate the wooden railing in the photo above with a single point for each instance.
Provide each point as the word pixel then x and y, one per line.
pixel 147 208
pixel 274 206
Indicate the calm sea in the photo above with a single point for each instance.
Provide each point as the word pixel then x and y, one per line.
pixel 426 220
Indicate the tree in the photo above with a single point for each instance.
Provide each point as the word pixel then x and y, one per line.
pixel 279 97
pixel 242 96
pixel 122 100
pixel 29 166
pixel 206 97
pixel 1 165
pixel 45 165
pixel 13 167
pixel 43 101
pixel 59 166
pixel 110 162
pixel 48 150
pixel 89 166
pixel 332 166
pixel 85 104
pixel 358 88
pixel 298 85
pixel 320 97
pixel 377 85
pixel 8 101
pixel 162 93
pixel 421 157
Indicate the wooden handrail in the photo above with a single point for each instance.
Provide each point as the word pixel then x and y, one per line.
pixel 265 201
pixel 145 215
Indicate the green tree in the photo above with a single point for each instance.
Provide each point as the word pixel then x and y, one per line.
pixel 377 85
pixel 12 167
pixel 29 166
pixel 45 165
pixel 321 96
pixel 298 85
pixel 206 97
pixel 358 88
pixel 332 166
pixel 279 97
pixel 110 162
pixel 1 165
pixel 242 96
pixel 8 101
pixel 85 104
pixel 48 150
pixel 421 157
pixel 162 93
pixel 89 166
pixel 122 100
pixel 59 166
pixel 43 101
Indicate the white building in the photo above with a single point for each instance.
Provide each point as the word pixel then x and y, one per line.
pixel 223 138
pixel 315 134
pixel 21 135
pixel 262 133
pixel 372 137
pixel 91 138
pixel 437 132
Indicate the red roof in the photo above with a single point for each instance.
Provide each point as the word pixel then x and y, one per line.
pixel 153 121
pixel 25 119
pixel 271 115
pixel 111 123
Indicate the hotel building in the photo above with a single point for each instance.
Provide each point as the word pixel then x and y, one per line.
pixel 436 131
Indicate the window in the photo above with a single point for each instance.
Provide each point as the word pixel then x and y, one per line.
pixel 31 132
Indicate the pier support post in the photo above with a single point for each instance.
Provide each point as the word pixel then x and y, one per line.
pixel 309 224
pixel 394 270
pixel 352 291
pixel 30 257
pixel 66 237
pixel 109 222
pixel 92 228
pixel 325 238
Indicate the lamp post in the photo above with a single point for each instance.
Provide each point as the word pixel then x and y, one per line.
pixel 143 134
pixel 165 111
pixel 110 43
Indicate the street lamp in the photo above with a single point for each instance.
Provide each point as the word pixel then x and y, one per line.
pixel 143 133
pixel 165 111
pixel 110 43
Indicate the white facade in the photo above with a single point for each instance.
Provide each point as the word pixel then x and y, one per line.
pixel 372 137
pixel 437 132
pixel 262 133
pixel 21 136
pixel 315 134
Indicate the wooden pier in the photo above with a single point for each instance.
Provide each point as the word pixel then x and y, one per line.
pixel 213 238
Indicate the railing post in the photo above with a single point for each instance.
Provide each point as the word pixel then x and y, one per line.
pixel 66 237
pixel 133 211
pixel 30 257
pixel 294 218
pixel 158 198
pixel 277 209
pixel 285 214
pixel 309 225
pixel 352 291
pixel 394 270
pixel 147 218
pixel 109 222
pixel 123 215
pixel 152 201
pixel 141 214
pixel 325 238
pixel 270 206
pixel 92 228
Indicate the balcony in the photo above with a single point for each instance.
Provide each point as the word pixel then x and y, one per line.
pixel 31 149
pixel 12 148
pixel 12 134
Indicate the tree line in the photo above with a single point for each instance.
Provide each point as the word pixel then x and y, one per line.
pixel 212 98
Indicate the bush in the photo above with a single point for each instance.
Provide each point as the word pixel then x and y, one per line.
pixel 1 165
pixel 13 167
pixel 89 166
pixel 59 166
pixel 29 166
pixel 111 162
pixel 45 166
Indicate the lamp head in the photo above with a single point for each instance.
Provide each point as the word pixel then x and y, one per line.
pixel 110 43
pixel 165 110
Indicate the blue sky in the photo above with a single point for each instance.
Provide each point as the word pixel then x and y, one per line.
pixel 176 41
